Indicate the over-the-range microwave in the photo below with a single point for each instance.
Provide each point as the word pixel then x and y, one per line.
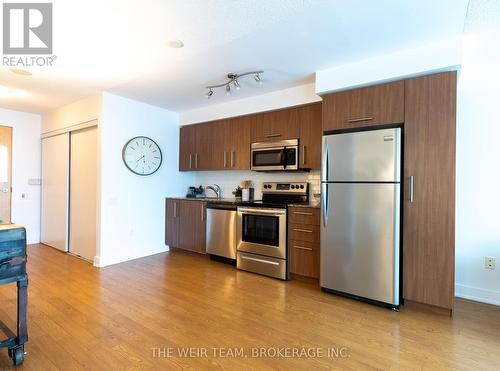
pixel 273 156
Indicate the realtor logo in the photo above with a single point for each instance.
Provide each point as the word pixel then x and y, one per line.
pixel 27 28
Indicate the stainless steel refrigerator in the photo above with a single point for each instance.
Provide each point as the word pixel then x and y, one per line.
pixel 360 207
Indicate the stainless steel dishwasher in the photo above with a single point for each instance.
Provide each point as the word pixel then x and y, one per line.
pixel 221 230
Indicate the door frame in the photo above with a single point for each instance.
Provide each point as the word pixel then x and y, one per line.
pixel 10 167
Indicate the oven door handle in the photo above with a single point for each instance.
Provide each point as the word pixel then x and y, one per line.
pixel 261 212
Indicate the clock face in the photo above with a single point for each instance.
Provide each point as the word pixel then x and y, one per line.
pixel 142 156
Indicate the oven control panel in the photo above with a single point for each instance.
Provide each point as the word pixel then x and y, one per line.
pixel 278 187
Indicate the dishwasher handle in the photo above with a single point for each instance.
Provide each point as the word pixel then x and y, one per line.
pixel 227 207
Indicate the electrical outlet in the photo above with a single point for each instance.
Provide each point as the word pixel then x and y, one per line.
pixel 489 262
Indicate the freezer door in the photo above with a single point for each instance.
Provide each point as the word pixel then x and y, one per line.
pixel 366 156
pixel 360 240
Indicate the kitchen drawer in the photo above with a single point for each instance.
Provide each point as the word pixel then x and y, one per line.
pixel 261 264
pixel 303 215
pixel 304 258
pixel 373 105
pixel 301 232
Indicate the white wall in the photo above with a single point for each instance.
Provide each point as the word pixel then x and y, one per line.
pixel 25 165
pixel 444 55
pixel 133 206
pixel 478 155
pixel 81 111
pixel 295 96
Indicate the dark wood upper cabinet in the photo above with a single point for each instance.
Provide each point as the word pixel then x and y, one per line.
pixel 310 136
pixel 429 189
pixel 236 145
pixel 204 157
pixel 187 147
pixel 275 125
pixel 374 105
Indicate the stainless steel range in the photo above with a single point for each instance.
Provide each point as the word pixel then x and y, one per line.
pixel 262 229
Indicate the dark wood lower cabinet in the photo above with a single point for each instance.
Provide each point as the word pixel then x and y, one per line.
pixel 303 258
pixel 303 241
pixel 429 195
pixel 186 225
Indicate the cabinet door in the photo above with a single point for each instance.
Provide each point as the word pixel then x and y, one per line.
pixel 310 136
pixel 218 158
pixel 275 125
pixel 187 142
pixel 237 143
pixel 374 105
pixel 192 226
pixel 172 223
pixel 429 205
pixel 204 158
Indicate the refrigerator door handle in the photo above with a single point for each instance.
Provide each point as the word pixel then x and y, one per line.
pixel 325 163
pixel 324 197
pixel 412 189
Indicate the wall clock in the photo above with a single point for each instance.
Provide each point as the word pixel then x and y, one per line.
pixel 142 156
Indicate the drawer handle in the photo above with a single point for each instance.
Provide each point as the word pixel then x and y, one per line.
pixel 303 248
pixel 273 135
pixel 302 213
pixel 302 230
pixel 360 119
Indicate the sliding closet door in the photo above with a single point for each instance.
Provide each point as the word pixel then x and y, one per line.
pixel 55 185
pixel 83 193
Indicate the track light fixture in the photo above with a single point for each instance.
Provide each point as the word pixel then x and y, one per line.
pixel 233 79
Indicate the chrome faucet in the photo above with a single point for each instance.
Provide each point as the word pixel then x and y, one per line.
pixel 216 189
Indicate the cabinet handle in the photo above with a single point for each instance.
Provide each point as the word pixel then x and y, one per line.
pixel 273 135
pixel 175 209
pixel 303 248
pixel 360 119
pixel 202 213
pixel 302 230
pixel 303 155
pixel 190 161
pixel 412 189
pixel 225 159
pixel 232 158
pixel 196 160
pixel 302 213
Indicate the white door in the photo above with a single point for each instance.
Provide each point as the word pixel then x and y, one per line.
pixel 55 184
pixel 83 193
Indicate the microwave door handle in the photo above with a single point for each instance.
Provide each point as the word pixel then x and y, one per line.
pixel 283 157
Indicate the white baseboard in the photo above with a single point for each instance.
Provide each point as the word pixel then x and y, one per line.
pixel 101 263
pixel 477 294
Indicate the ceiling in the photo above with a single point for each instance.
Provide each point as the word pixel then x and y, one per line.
pixel 120 45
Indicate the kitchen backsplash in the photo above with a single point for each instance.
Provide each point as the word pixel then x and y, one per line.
pixel 229 180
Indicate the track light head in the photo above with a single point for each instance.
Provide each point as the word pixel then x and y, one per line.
pixel 233 81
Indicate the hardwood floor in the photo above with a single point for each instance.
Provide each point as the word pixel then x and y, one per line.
pixel 81 317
